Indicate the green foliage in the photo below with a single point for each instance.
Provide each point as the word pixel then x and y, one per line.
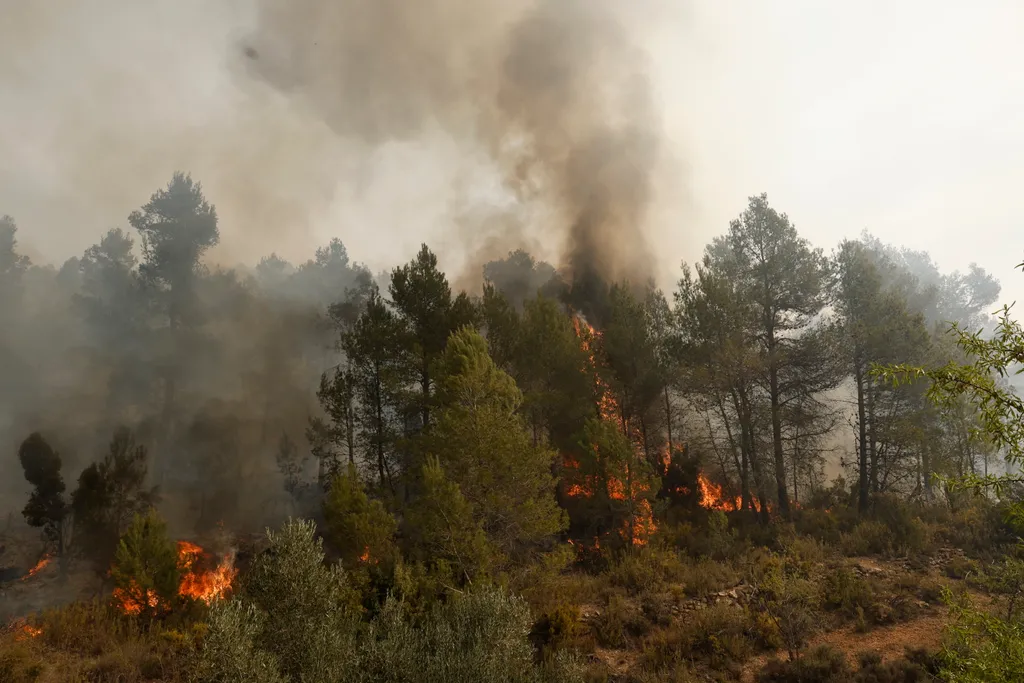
pixel 360 529
pixel 984 648
pixel 424 304
pixel 823 664
pixel 146 569
pixel 229 652
pixel 480 636
pixel 177 226
pixel 620 485
pixel 439 527
pixel 310 610
pixel 718 634
pixel 483 447
pixel 373 348
pixel 789 600
pixel 842 590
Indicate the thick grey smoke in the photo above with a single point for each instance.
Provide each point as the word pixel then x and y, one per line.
pixel 553 92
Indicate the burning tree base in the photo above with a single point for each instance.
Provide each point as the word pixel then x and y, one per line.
pixel 203 578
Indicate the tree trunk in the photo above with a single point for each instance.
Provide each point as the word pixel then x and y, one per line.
pixel 755 460
pixel 668 421
pixel 780 457
pixel 425 384
pixel 862 442
pixel 872 435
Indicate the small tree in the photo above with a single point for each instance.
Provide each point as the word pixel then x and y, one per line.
pixel 47 508
pixel 360 528
pixel 146 571
pixel 109 494
pixel 439 526
pixel 484 447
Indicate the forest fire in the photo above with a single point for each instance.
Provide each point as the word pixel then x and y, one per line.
pixel 196 582
pixel 641 526
pixel 713 498
pixel 204 585
pixel 39 566
pixel 24 630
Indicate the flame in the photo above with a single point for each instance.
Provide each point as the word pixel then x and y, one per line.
pixel 365 557
pixel 642 525
pixel 40 565
pixel 712 497
pixel 204 585
pixel 196 583
pixel 24 630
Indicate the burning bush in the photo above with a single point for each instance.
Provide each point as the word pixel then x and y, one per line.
pixel 152 573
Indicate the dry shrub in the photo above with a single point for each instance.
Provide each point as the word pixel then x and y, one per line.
pixel 823 664
pixel 649 569
pixel 707 576
pixel 843 591
pixel 867 538
pixel 620 623
pixel 19 662
pixel 720 635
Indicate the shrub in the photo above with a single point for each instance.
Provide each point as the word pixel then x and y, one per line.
pixel 823 664
pixel 789 601
pixel 230 653
pixel 867 538
pixel 620 622
pixel 648 570
pixel 707 576
pixel 845 592
pixel 477 637
pixel 718 634
pixel 916 667
pixel 558 628
pixel 311 612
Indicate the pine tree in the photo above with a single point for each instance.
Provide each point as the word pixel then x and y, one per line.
pixel 483 446
pixel 146 571
pixel 360 528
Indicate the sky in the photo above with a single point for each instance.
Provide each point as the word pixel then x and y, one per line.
pixel 902 118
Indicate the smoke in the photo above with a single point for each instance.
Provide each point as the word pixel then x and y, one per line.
pixel 554 94
pixel 500 124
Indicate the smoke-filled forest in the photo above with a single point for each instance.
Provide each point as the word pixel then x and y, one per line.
pixel 554 467
pixel 542 447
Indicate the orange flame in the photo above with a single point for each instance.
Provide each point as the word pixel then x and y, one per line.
pixel 40 565
pixel 712 497
pixel 204 585
pixel 642 525
pixel 23 630
pixel 196 583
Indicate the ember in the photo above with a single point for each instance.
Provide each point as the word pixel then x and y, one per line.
pixel 24 630
pixel 40 565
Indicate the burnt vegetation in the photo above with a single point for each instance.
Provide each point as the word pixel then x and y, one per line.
pixel 556 478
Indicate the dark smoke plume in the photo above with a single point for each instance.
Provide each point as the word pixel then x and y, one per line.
pixel 553 92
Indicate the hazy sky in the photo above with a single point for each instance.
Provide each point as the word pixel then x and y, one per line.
pixel 901 117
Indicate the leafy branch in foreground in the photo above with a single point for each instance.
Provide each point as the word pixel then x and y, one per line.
pixel 983 383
